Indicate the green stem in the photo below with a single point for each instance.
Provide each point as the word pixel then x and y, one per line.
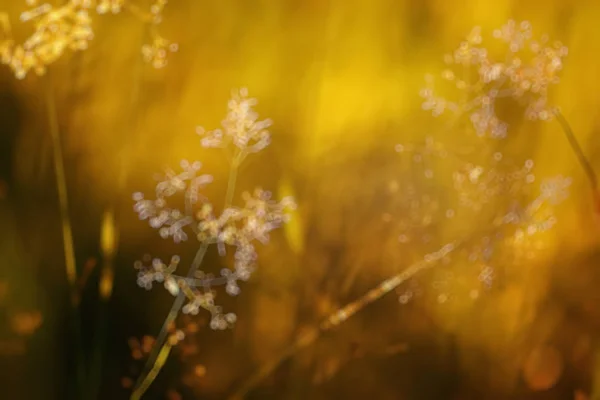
pixel 233 173
pixel 67 232
pixel 161 348
pixel 61 185
pixel 161 358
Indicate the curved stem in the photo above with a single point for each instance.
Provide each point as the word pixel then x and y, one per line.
pixel 161 358
pixel 162 348
pixel 583 161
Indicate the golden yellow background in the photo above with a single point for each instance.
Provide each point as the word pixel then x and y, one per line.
pixel 340 79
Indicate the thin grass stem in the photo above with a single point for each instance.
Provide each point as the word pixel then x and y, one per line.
pixel 67 232
pixel 581 158
pixel 231 182
pixel 161 349
pixel 342 315
pixel 107 271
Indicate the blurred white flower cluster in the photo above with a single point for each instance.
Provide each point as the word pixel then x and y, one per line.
pixel 500 195
pixel 240 127
pixel 525 72
pixel 503 205
pixel 237 227
pixel 537 215
pixel 58 29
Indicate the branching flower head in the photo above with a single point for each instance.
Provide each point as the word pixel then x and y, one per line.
pixel 504 207
pixel 241 126
pixel 237 227
pixel 525 72
pixel 172 222
pixel 58 29
pixel 483 184
pixel 156 53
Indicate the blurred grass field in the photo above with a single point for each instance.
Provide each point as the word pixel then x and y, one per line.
pixel 341 80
